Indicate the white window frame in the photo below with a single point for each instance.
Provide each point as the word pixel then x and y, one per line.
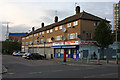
pixel 75 23
pixel 47 31
pixel 40 33
pixel 49 40
pixel 72 36
pixel 58 38
pixel 60 27
pixel 56 28
pixel 69 25
pixel 43 32
pixel 51 30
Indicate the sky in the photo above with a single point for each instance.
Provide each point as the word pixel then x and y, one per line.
pixel 22 15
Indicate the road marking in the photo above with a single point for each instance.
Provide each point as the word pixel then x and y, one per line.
pixel 95 76
pixel 35 73
pixel 11 73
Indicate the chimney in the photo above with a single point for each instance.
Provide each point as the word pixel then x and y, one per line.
pixel 33 29
pixel 42 25
pixel 56 19
pixel 77 10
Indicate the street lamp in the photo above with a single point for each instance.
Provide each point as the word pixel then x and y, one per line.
pixel 116 46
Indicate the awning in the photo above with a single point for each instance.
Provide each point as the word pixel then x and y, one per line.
pixel 65 46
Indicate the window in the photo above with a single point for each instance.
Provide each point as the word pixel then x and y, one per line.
pixel 75 23
pixel 47 31
pixel 89 35
pixel 30 42
pixel 35 41
pixel 56 28
pixel 95 24
pixel 37 34
pixel 49 40
pixel 42 32
pixel 72 36
pixel 23 38
pixel 69 25
pixel 60 27
pixel 26 43
pixel 22 43
pixel 41 40
pixel 57 38
pixel 51 30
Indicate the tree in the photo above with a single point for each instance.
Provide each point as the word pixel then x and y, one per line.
pixel 8 46
pixel 103 36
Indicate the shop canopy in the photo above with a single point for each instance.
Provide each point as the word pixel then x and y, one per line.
pixel 65 46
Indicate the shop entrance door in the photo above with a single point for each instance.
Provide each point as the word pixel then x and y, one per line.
pixel 85 54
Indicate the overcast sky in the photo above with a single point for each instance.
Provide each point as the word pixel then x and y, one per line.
pixel 22 15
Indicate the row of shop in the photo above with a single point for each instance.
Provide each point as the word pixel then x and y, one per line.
pixel 74 49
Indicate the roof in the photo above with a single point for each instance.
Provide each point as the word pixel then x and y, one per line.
pixel 17 33
pixel 83 15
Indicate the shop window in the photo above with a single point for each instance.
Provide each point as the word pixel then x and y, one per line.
pixel 75 23
pixel 72 36
pixel 69 25
pixel 89 35
pixel 60 27
pixel 56 28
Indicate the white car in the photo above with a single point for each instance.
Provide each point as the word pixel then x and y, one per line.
pixel 19 54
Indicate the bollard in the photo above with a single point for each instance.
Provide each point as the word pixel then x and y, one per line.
pixel 107 61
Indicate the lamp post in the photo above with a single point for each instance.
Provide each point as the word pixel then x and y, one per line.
pixel 63 38
pixel 116 46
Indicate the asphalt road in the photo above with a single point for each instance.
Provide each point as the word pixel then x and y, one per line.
pixel 22 68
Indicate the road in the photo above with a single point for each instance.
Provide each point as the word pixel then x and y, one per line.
pixel 22 68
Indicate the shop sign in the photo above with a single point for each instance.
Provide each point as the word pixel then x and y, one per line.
pixel 66 43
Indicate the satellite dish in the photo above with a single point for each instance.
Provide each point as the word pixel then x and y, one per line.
pixel 52 38
pixel 63 37
pixel 79 36
pixel 63 29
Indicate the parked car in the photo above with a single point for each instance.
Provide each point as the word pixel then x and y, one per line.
pixel 33 56
pixel 14 52
pixel 19 54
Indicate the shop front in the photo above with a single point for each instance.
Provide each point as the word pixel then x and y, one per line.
pixel 71 49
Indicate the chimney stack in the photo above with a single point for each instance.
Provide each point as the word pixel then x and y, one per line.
pixel 33 29
pixel 77 10
pixel 56 19
pixel 42 25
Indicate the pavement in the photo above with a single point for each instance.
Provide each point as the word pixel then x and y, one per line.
pixel 84 62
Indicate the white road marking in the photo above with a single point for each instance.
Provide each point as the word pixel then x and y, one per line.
pixel 11 73
pixel 57 70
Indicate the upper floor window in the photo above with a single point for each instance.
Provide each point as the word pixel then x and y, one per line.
pixel 22 43
pixel 49 40
pixel 23 38
pixel 35 41
pixel 57 38
pixel 42 32
pixel 89 35
pixel 69 25
pixel 72 36
pixel 30 42
pixel 60 27
pixel 56 28
pixel 26 43
pixel 51 30
pixel 41 40
pixel 95 23
pixel 47 31
pixel 75 23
